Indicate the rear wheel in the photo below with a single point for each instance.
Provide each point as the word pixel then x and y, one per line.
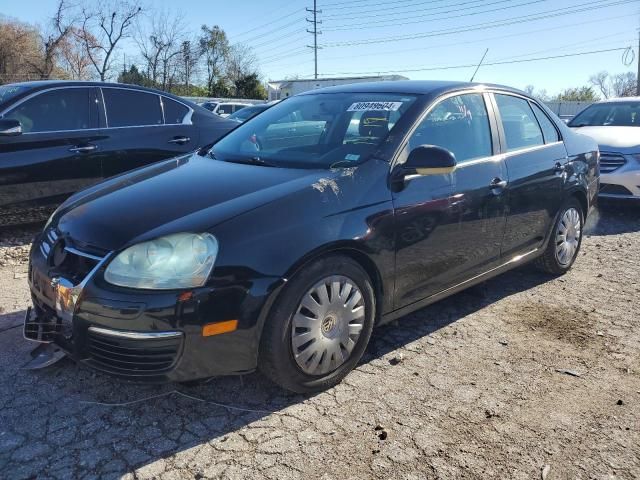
pixel 320 326
pixel 565 240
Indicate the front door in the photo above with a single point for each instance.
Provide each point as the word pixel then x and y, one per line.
pixel 449 227
pixel 535 159
pixel 56 155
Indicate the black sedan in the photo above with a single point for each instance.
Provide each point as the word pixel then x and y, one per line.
pixel 282 247
pixel 59 137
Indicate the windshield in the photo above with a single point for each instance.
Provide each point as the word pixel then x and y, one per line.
pixel 614 114
pixel 316 131
pixel 247 113
pixel 7 92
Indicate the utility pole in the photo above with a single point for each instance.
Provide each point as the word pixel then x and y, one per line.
pixel 315 32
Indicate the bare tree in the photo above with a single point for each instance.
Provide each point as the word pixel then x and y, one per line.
pixel 601 81
pixel 214 47
pixel 58 30
pixel 73 56
pixel 161 45
pixel 102 30
pixel 619 85
pixel 241 62
pixel 20 46
pixel 624 84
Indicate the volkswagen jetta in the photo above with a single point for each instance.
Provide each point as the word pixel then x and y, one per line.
pixel 330 213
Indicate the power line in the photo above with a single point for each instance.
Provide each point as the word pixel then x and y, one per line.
pixel 394 11
pixel 485 25
pixel 469 65
pixel 270 23
pixel 280 29
pixel 479 40
pixel 410 20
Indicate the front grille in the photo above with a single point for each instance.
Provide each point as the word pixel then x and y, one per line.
pixel 132 357
pixel 65 259
pixel 610 162
pixel 614 189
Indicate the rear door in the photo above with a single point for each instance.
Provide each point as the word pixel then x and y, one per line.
pixel 135 132
pixel 56 155
pixel 535 157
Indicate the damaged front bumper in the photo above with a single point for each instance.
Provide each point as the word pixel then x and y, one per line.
pixel 149 336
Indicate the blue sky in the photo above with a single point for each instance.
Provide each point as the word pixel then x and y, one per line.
pixel 370 36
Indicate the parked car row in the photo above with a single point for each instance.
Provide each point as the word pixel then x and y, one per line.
pixel 59 137
pixel 286 242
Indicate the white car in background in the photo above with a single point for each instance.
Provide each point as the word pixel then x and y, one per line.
pixel 224 109
pixel 615 125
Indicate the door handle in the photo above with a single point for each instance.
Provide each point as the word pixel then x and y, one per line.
pixel 498 184
pixel 83 148
pixel 180 140
pixel 559 168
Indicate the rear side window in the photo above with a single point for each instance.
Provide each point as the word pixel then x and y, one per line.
pixel 127 108
pixel 460 124
pixel 521 129
pixel 60 109
pixel 548 128
pixel 174 112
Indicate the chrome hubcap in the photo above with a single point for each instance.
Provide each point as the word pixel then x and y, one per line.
pixel 327 325
pixel 568 236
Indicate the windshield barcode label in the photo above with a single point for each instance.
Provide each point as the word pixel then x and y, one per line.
pixel 375 106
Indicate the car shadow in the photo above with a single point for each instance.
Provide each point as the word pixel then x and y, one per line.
pixel 88 423
pixel 613 218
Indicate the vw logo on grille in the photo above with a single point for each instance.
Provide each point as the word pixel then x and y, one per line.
pixel 57 253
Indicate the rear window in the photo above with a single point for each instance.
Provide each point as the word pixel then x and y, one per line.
pixel 225 109
pixel 174 112
pixel 520 126
pixel 127 108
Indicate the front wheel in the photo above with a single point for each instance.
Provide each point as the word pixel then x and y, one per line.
pixel 320 326
pixel 565 240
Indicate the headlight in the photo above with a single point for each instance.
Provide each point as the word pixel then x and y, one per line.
pixel 183 260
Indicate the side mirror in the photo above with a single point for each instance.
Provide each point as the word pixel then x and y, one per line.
pixel 423 160
pixel 10 127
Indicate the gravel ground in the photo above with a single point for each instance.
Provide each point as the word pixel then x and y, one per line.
pixel 524 377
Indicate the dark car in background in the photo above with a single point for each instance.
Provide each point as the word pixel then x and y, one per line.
pixel 282 251
pixel 58 137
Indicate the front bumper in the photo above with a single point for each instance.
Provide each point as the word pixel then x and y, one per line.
pixel 622 183
pixel 151 336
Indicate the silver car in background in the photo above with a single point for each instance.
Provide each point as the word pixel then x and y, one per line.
pixel 615 125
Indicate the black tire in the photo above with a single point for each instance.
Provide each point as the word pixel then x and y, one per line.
pixel 548 261
pixel 276 358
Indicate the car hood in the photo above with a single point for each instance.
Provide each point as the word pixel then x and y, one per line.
pixel 624 139
pixel 190 193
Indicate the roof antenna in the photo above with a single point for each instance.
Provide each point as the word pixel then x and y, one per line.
pixel 478 67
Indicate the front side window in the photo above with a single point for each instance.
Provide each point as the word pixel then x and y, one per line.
pixel 316 130
pixel 174 112
pixel 548 128
pixel 56 110
pixel 521 129
pixel 129 108
pixel 611 114
pixel 460 124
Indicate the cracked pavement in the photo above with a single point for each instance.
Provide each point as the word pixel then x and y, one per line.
pixel 521 373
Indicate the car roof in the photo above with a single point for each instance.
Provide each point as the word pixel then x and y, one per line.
pixel 36 85
pixel 409 87
pixel 619 100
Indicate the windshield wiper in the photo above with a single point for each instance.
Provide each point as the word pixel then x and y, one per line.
pixel 251 161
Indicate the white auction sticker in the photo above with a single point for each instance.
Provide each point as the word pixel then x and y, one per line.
pixel 374 106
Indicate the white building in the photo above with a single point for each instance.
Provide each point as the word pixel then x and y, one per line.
pixel 280 89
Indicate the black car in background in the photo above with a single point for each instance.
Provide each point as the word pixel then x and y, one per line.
pixel 249 112
pixel 58 137
pixel 331 212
